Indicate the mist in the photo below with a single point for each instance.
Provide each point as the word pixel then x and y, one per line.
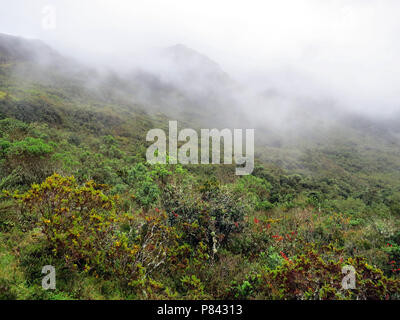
pixel 270 62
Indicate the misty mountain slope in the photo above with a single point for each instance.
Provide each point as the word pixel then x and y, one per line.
pixel 184 85
pixel 198 92
pixel 14 49
pixel 40 85
pixel 79 194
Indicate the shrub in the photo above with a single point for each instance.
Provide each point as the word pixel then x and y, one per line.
pixel 318 275
pixel 216 211
pixel 25 161
pixel 82 225
pixel 145 188
pixel 254 191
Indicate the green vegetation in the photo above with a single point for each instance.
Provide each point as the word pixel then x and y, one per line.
pixel 79 195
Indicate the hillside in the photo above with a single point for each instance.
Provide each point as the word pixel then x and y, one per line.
pixel 79 195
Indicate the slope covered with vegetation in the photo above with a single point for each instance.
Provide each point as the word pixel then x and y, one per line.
pixel 79 195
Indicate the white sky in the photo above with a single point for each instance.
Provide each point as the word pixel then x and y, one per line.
pixel 347 49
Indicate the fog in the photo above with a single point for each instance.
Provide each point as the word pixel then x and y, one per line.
pixel 278 55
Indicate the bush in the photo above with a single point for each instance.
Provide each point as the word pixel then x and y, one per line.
pixel 254 191
pixel 216 211
pixel 145 189
pixel 318 275
pixel 25 161
pixel 82 225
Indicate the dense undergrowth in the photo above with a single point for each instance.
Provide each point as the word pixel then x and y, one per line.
pixel 79 195
pixel 115 227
